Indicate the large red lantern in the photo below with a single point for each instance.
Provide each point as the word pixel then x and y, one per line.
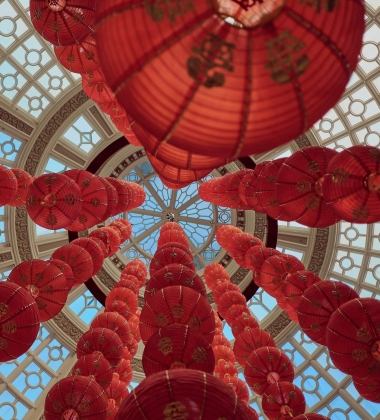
pixel 76 397
pixel 124 295
pixel 78 259
pixel 171 255
pixel 117 391
pixel 124 227
pixel 94 249
pixel 179 305
pixel 235 311
pixel 46 284
pixel 368 389
pixel 353 338
pixel 296 284
pixel 352 184
pixel 115 322
pixel 54 201
pixel 224 234
pixel 265 366
pixel 24 179
pixel 19 321
pixel 299 187
pixel 96 366
pixel 110 238
pixel 124 371
pixel 67 271
pixel 112 198
pixel 177 347
pixel 283 400
pixel 247 188
pixel 317 305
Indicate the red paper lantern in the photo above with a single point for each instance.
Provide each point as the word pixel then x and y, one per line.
pixel 124 295
pixel 174 275
pixel 138 269
pixel 113 109
pixel 171 225
pixel 78 259
pixel 218 322
pixel 224 234
pixel 296 284
pixel 127 355
pixel 228 299
pixel 234 311
pixel 171 255
pixel 173 245
pixel 63 22
pixel 46 284
pixel 97 89
pixel 250 340
pixel 101 341
pixel 124 227
pixel 317 305
pixel 67 271
pixel 220 340
pixel 130 282
pixel 54 201
pixel 214 274
pixel 252 413
pixel 239 386
pixel 120 307
pixel 95 251
pixel 223 369
pixel 138 194
pixel 353 338
pixel 275 270
pixel 117 391
pixel 255 257
pixel 180 305
pixel 123 195
pixel 96 366
pixel 94 199
pixel 124 371
pixel 352 184
pixel 135 327
pixel 240 244
pixel 19 321
pixel 23 182
pixel 115 322
pixel 223 287
pixel 177 347
pixel 368 389
pixel 80 57
pixel 266 366
pixel 182 396
pixel 223 353
pixel 112 410
pixel 132 348
pixel 112 198
pixel 242 323
pixel 283 400
pixel 172 235
pixel 110 239
pixel 247 188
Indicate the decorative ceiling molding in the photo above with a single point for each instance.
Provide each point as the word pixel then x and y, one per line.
pixel 15 122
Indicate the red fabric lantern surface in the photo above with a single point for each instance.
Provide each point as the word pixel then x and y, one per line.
pixel 78 259
pixel 127 355
pixel 124 227
pixel 218 322
pixel 220 340
pixel 120 307
pixel 255 257
pixel 275 270
pixel 173 245
pixel 109 237
pixel 135 327
pixel 76 397
pixel 311 416
pixel 19 321
pixel 101 341
pixel 223 353
pixel 252 413
pixel 250 340
pixel 130 282
pixel 352 184
pixel 179 395
pixel 240 244
pixel 171 255
pixel 61 22
pixel 242 175
pixel 172 235
pixel 117 391
pixel 174 275
pixel 123 195
pixel 296 284
pixel 138 194
pixel 97 89
pixel 317 305
pixel 214 273
pixel 46 284
pixel 67 271
pixel 368 389
pixel 24 179
pixel 94 199
pixel 224 234
pixel 133 347
pixel 124 371
pixel 216 64
pixel 112 197
pixel 112 410
pixel 180 305
pixel 96 366
pixel 234 311
pixel 115 322
pixel 299 187
pixel 79 58
pixel 223 369
pixel 54 201
pixel 113 109
pixel 353 338
pixel 242 323
pixel 228 299
pixel 177 347
pixel 247 188
pixel 239 386
pixel 124 295
pixel 138 269
pixel 266 191
pixel 171 225
pixel 223 287
pixel 283 400
pixel 266 366
pixel 95 251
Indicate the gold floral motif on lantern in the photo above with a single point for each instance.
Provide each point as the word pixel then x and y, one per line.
pixel 363 335
pixel 9 327
pixel 161 320
pixel 178 311
pixel 168 276
pixel 313 203
pixel 3 309
pixel 83 407
pixel 51 220
pixel 313 167
pixel 175 411
pixel 70 398
pixel 199 355
pixel 69 199
pixel 159 9
pixel 327 5
pixel 57 406
pixel 340 175
pixel 359 355
pixel 195 322
pixel 165 345
pixel 3 343
pixel 360 212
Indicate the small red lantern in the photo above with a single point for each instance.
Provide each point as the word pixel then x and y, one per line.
pixel 317 305
pixel 115 322
pixel 220 340
pixel 223 353
pixel 138 269
pixel 124 295
pixel 169 226
pixel 101 341
pixel 101 244
pixel 250 340
pixel 353 338
pixel 247 188
pixel 110 238
pixel 240 244
pixel 296 284
pixel 172 235
pixel 242 323
pixel 228 299
pixel 215 273
pixel 123 195
pixel 180 305
pixel 46 284
pixel 24 179
pixel 124 227
pixel 130 282
pixel 223 287
pixel 120 307
pixel 235 311
pixel 252 413
pixel 113 109
pixel 54 201
pixel 171 255
pixel 255 257
pixel 239 386
pixel 94 249
pixel 112 198
pixel 97 89
pixel 223 368
pixel 112 410
pixel 127 355
pixel 368 389
pixel 224 234
pixel 283 400
pixel 19 321
pixel 78 259
pixel 124 371
pixel 67 271
pixel 138 195
pixel 218 322
pixel 266 366
pixel 117 391
pixel 96 366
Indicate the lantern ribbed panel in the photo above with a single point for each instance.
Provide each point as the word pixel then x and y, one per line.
pixel 124 227
pixel 177 347
pixel 123 195
pixel 224 234
pixel 171 244
pixel 317 305
pixel 174 275
pixel 228 299
pixel 311 416
pixel 252 413
pixel 138 269
pixel 109 237
pixel 124 371
pixel 133 347
pixel 115 322
pixel 255 258
pixel 98 90
pixel 347 184
pixel 234 311
pixel 127 355
pixel 117 391
pixel 247 188
pixel 19 321
pixel 112 409
pixel 220 340
pixel 94 365
pixel 213 273
pixel 240 244
pixel 113 109
pixel 67 271
pixel 280 395
pixel 24 179
pixel 221 288
pixel 124 295
pixel 368 388
pixel 239 386
pixel 171 255
pixel 138 195
pixel 76 397
pixel 102 341
pixel 265 366
pixel 223 353
pixel 95 251
pixel 353 338
pixel 180 305
pixel 218 322
pixel 122 308
pixel 130 282
pixel 171 225
pixel 296 284
pixel 250 340
pixel 134 323
pixel 78 259
pixel 112 197
pixel 63 22
pixel 242 323
pixel 223 369
pixel 46 284
pixel 172 235
pixel 53 201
